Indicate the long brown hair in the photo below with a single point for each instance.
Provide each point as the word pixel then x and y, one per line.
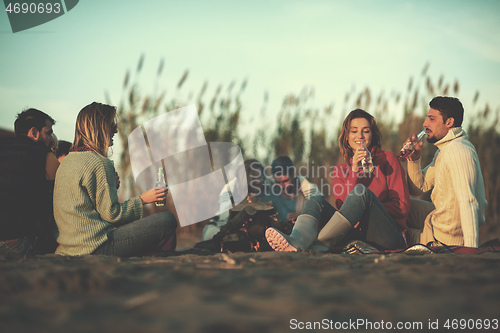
pixel 345 148
pixel 94 127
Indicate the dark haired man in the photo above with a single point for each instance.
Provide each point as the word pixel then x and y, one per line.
pixel 455 177
pixel 35 124
pixel 289 191
pixel 27 173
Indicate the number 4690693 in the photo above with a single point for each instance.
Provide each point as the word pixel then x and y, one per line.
pixel 33 8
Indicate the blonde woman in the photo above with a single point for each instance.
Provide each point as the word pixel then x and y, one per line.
pixel 87 212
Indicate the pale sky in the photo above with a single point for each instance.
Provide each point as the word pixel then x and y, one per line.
pixel 279 46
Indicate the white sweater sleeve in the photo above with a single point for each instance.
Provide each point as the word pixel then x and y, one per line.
pixel 421 181
pixel 461 164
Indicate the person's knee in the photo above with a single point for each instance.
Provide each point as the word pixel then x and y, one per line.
pixel 316 202
pixel 314 206
pixel 168 221
pixel 359 191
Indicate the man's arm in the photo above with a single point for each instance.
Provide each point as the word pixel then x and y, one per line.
pixel 308 189
pixel 420 181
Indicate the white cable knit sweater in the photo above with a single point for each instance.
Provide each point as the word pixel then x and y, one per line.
pixel 458 195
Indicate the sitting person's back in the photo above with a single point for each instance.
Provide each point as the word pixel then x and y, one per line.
pixel 89 216
pixel 25 191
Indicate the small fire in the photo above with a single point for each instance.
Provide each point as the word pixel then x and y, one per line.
pixel 274 217
pixel 253 247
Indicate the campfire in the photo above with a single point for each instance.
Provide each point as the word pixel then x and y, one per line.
pixel 246 227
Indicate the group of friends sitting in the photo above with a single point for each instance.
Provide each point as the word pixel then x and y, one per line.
pixel 71 206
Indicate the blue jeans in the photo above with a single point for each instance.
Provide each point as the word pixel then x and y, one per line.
pixel 140 237
pixel 361 205
pixel 319 208
pixel 376 224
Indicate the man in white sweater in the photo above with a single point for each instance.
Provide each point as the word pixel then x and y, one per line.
pixel 454 175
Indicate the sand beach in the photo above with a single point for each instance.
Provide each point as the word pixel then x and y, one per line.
pixel 249 292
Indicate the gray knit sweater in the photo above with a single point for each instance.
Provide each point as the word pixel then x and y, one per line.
pixel 86 203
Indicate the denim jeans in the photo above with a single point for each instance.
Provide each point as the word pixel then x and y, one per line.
pixel 140 237
pixel 318 208
pixel 376 224
pixel 419 210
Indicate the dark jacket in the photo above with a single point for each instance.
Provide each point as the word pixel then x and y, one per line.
pixel 25 195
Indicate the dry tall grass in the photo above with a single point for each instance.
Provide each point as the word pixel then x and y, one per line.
pixel 305 133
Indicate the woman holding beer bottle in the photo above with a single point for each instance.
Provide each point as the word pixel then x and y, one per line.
pixel 88 214
pixel 371 195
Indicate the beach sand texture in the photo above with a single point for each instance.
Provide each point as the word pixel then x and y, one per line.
pixel 243 292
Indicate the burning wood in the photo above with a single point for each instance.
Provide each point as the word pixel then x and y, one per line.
pixel 246 227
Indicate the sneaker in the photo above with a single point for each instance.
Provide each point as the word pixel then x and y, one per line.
pixel 278 241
